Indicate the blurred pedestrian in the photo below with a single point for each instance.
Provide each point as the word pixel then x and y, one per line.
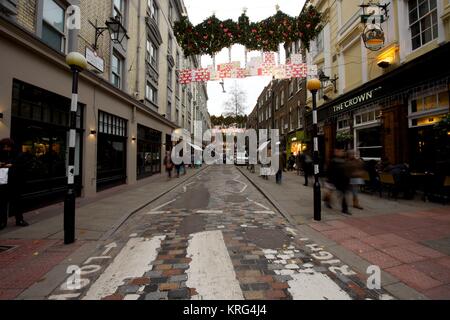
pixel 282 167
pixel 356 172
pixel 291 162
pixel 168 164
pixel 306 164
pixel 12 166
pixel 339 177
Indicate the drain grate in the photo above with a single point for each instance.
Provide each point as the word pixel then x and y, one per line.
pixel 4 249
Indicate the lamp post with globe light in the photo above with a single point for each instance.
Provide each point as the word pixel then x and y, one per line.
pixel 77 63
pixel 314 85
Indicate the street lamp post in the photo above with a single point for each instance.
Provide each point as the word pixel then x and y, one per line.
pixel 314 85
pixel 77 63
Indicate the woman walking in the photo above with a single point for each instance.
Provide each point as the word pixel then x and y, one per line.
pixel 168 164
pixel 356 173
pixel 11 184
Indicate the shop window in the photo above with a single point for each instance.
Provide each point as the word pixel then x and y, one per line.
pixel 111 150
pixel 148 152
pixel 368 142
pixel 430 102
pixel 53 21
pixel 423 21
pixel 40 129
pixel 367 117
pixel 343 124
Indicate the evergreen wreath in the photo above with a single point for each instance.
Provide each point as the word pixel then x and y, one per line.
pixel 213 34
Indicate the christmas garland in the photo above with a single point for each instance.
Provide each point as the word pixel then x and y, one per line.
pixel 213 35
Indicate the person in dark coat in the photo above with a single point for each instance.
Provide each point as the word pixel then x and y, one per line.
pixel 10 192
pixel 338 175
pixel 282 167
pixel 306 164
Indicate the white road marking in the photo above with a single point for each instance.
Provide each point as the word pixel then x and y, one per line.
pixel 131 297
pixel 185 186
pixel 315 286
pixel 258 204
pixel 264 212
pixel 163 205
pixel 154 213
pixel 133 235
pixel 132 261
pixel 109 247
pixel 291 231
pixel 245 185
pixel 210 211
pixel 88 261
pixel 211 271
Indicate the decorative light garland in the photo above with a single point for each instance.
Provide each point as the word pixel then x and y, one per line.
pixel 213 35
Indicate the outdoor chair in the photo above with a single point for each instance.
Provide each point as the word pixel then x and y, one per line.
pixel 387 181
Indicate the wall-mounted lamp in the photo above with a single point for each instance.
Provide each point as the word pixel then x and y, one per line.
pixel 133 139
pixel 1 115
pixel 93 132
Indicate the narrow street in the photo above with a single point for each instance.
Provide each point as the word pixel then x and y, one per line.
pixel 214 237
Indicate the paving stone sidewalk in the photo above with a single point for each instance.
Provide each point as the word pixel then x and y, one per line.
pixel 408 239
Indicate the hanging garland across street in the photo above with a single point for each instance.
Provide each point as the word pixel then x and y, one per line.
pixel 213 35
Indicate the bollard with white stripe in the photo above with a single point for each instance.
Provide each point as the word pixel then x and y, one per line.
pixel 77 63
pixel 314 85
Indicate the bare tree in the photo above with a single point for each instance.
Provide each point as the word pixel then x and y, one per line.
pixel 236 104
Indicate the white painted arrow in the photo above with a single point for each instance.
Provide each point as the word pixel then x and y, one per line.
pixel 109 247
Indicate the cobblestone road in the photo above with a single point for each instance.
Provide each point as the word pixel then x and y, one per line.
pixel 215 237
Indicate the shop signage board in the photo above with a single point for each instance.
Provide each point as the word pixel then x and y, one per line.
pixel 355 101
pixel 94 60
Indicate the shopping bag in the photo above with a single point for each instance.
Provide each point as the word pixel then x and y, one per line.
pixel 4 176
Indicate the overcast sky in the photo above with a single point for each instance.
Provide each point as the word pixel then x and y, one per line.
pixel 257 10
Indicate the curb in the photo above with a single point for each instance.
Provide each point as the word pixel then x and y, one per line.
pixel 130 214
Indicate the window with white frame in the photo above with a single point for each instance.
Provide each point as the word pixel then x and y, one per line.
pixel 153 10
pixel 152 53
pixel 117 63
pixel 368 134
pixel 169 45
pixel 53 25
pixel 282 98
pixel 423 21
pixel 170 13
pixel 119 9
pixel 291 88
pixel 300 119
pixel 343 124
pixel 277 103
pixel 319 42
pixel 428 109
pixel 169 77
pixel 151 93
